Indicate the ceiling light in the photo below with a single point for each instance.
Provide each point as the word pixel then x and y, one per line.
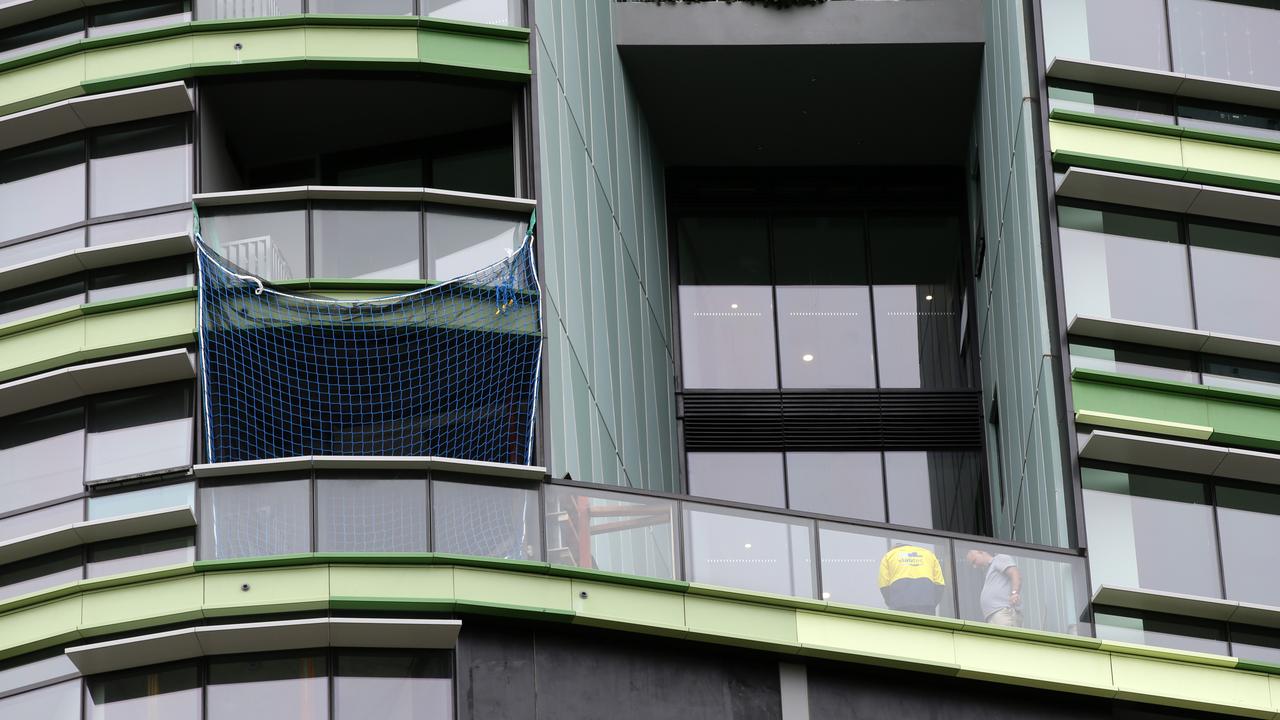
pixel 733 306
pixel 807 357
pixel 826 596
pixel 928 297
pixel 747 546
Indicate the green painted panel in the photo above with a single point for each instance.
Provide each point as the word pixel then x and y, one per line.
pixel 39 626
pixel 36 350
pixel 138 58
pixel 1245 424
pixel 1138 402
pixel 501 57
pixel 271 590
pixel 1034 664
pixel 256 46
pixel 501 588
pixel 142 605
pixel 391 582
pixel 370 43
pixel 1116 143
pixel 154 325
pixel 859 636
pixel 1191 686
pixel 1230 159
pixel 609 604
pixel 754 625
pixel 54 80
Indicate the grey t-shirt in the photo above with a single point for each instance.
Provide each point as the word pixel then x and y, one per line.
pixel 997 586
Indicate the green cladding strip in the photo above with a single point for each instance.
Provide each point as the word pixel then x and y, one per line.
pixel 1234 417
pixel 538 591
pixel 1166 152
pixel 186 50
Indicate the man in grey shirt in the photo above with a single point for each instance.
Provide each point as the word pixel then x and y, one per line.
pixel 1001 599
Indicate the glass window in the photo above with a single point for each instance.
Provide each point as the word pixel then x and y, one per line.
pixel 914 265
pixel 1229 119
pixel 1250 643
pixel 393 685
pixel 36 672
pixel 255 519
pixel 270 243
pixel 138 431
pixel 726 337
pixel 362 7
pixel 1135 360
pixel 137 501
pixel 44 247
pixel 141 278
pixel 227 9
pixel 858 569
pixel 488 171
pixel 601 530
pixel 1149 531
pixel 1132 32
pixel 140 167
pixel 55 701
pixel 723 251
pixel 37 521
pixel 158 692
pixel 836 483
pixel 1111 102
pixel 1109 259
pixel 1017 587
pixel 1246 517
pixel 754 478
pixel 368 515
pixel 139 228
pixel 936 489
pixel 267 688
pixel 1161 631
pixel 41 34
pixel 127 17
pixel 355 241
pixel 493 12
pixel 485 520
pixel 1235 273
pixel 463 241
pixel 824 337
pixel 43 455
pixel 40 573
pixel 1226 40
pixel 1238 374
pixel 41 188
pixel 748 550
pixel 41 298
pixel 173 547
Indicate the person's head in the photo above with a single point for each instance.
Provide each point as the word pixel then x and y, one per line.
pixel 978 559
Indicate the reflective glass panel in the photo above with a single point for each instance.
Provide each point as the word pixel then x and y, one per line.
pixel 748 550
pixel 141 278
pixel 1148 531
pixel 172 547
pixel 137 501
pixel 493 12
pixel 40 520
pixel 41 298
pixel 936 489
pixel 36 672
pixel 1135 360
pixel 41 34
pixel 485 520
pixel 43 456
pixel 41 248
pixel 41 188
pixel 139 167
pixel 724 251
pixel 1111 102
pixel 1017 587
pixel 1229 119
pixel 1226 40
pixel 1235 273
pixel 727 336
pixel 267 688
pixel 753 478
pixel 55 701
pixel 1131 32
pixel 836 483
pixel 1247 518
pixel 127 17
pixel 392 685
pixel 1250 643
pixel 362 7
pixel 824 337
pixel 358 241
pixel 149 694
pixel 368 515
pixel 488 171
pixel 255 519
pixel 1161 631
pixel 226 9
pixel 269 242
pixel 609 531
pixel 138 431
pixel 1248 375
pixel 40 573
pixel 859 568
pixel 462 241
pixel 1108 260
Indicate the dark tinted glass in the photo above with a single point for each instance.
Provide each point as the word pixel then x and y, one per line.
pixel 1135 360
pixel 42 33
pixel 819 251
pixel 1112 102
pixel 393 686
pixel 1228 118
pixel 936 489
pixel 1241 374
pixel 40 298
pixel 157 692
pixel 723 251
pixel 140 278
pixel 125 16
pixel 267 688
pixel 1161 630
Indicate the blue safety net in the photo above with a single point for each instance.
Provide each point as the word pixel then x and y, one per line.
pixel 450 370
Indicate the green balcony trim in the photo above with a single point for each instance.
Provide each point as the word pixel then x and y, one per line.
pixel 190 49
pixel 1155 128
pixel 416 583
pixel 1176 386
pixel 1104 162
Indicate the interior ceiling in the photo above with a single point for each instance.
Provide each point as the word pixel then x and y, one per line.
pixel 808 105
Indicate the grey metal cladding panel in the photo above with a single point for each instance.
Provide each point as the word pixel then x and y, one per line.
pixel 1245 347
pixel 93 378
pixel 1137 332
pixel 1116 447
pixel 1227 91
pixel 834 23
pixel 1123 76
pixel 94 111
pixel 1239 205
pixel 98 256
pixel 1250 465
pixel 135 652
pixel 1165 602
pixel 1119 188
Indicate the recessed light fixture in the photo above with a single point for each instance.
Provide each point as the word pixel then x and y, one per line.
pixel 928 297
pixel 747 546
pixel 733 306
pixel 826 596
pixel 807 357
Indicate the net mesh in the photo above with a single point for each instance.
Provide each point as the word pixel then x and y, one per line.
pixel 449 371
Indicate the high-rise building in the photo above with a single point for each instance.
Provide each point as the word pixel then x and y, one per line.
pixel 589 359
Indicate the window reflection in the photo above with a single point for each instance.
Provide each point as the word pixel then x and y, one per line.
pixel 42 187
pixel 354 241
pixel 462 241
pixel 393 685
pixel 138 431
pixel 610 531
pixel 252 519
pixel 748 550
pixel 1178 633
pixel 268 687
pixel 169 692
pixel 485 520
pixel 269 241
pixel 372 515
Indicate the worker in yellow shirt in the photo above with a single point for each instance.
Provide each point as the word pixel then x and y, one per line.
pixel 911 579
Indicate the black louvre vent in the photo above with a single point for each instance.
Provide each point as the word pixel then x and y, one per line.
pixel 843 420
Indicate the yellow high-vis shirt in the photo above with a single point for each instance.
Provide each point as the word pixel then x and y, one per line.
pixel 910 562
